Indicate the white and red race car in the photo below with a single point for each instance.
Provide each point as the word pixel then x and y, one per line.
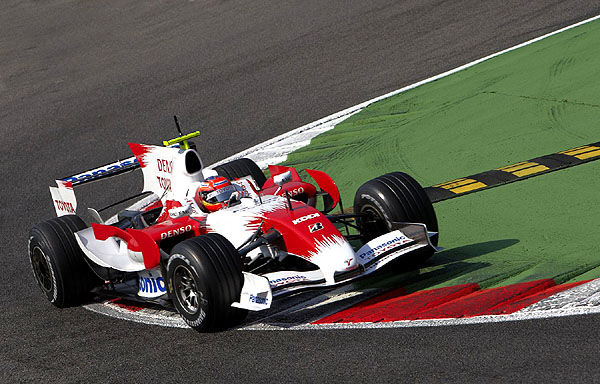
pixel 269 238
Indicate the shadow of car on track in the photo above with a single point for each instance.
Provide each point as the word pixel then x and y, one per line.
pixel 450 264
pixel 470 251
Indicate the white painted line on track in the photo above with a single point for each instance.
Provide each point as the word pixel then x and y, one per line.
pixel 275 150
pixel 517 316
pixel 161 318
pixel 581 300
pixel 582 297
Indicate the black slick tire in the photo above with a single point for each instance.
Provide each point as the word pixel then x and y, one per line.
pixel 58 264
pixel 240 168
pixel 204 276
pixel 393 197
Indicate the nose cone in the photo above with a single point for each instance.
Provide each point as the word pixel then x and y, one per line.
pixel 333 254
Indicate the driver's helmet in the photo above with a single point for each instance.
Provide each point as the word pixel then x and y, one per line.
pixel 214 193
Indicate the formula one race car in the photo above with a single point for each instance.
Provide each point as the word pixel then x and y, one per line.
pixel 215 243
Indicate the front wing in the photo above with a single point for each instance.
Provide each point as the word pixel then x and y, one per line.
pixel 403 242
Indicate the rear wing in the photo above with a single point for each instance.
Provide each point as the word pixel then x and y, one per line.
pixel 156 163
pixel 108 170
pixel 63 195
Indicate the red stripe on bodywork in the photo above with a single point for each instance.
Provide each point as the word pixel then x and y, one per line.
pixel 137 241
pixel 66 184
pixel 140 151
pixel 466 300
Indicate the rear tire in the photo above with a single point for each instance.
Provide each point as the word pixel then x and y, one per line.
pixel 58 264
pixel 205 278
pixel 393 197
pixel 240 168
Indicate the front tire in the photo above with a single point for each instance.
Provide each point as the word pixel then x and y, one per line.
pixel 205 278
pixel 393 197
pixel 58 263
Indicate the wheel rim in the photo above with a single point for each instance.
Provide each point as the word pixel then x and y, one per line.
pixel 188 295
pixel 41 269
pixel 373 224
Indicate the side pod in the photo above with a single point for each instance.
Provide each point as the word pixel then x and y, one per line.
pixel 137 241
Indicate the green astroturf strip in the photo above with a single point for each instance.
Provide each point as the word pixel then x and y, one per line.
pixel 534 101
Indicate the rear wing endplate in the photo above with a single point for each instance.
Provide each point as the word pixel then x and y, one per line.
pixel 63 198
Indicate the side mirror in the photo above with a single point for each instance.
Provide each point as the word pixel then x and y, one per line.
pixel 234 199
pixel 282 178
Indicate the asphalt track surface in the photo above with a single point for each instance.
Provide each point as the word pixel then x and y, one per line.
pixel 80 79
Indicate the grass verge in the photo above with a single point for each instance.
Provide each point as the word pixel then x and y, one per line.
pixel 533 101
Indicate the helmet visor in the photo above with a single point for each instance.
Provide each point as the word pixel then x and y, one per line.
pixel 218 196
